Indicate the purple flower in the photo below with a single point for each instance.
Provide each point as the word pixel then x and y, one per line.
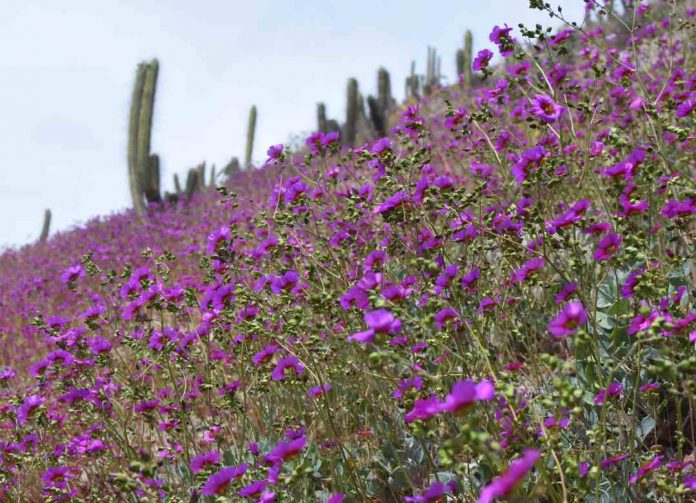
pixel 547 110
pixel 466 393
pixel 397 200
pixel 201 461
pixel 336 498
pixel 482 59
pixel 252 489
pixel 218 482
pixel 607 247
pixel 444 315
pixel 614 389
pixel 56 477
pixel 274 152
pixel 263 355
pixel 379 321
pixel 7 373
pixel 628 289
pixel 72 273
pixel 30 404
pixel 216 237
pixel 433 493
pixel 470 279
pixel 686 107
pixel 613 460
pixel 501 37
pixel 286 450
pixel 289 362
pixel 381 146
pixel 566 291
pixel 565 324
pixel 504 484
pixel 646 468
pixel 528 163
pixel 319 390
pixel 423 409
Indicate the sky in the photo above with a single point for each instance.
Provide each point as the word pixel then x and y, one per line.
pixel 67 70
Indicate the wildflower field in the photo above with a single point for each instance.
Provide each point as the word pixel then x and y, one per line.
pixel 494 301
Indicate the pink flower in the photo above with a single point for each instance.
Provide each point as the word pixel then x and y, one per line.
pixel 466 393
pixel 546 109
pixel 218 482
pixel 614 389
pixel 506 483
pixel 482 59
pixel 646 468
pixel 572 315
pixel 607 247
pixel 201 461
pixel 289 362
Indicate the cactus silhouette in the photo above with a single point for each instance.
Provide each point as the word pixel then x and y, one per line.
pixel 352 112
pixel 322 125
pixel 412 83
pixel 46 226
pixel 152 180
pixel 467 58
pixel 380 106
pixel 143 167
pixel 250 137
pixel 213 176
pixel 233 167
pixel 177 184
pixel 192 182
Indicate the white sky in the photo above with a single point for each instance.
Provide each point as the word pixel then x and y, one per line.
pixel 67 69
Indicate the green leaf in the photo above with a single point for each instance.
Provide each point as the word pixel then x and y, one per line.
pixel 647 424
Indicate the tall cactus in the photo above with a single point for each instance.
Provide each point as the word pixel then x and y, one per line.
pixel 251 129
pixel 152 180
pixel 192 182
pixel 467 56
pixel 459 63
pixel 380 106
pixel 232 167
pixel 412 83
pixel 322 125
pixel 143 167
pixel 133 176
pixel 46 226
pixel 384 95
pixel 177 184
pixel 213 176
pixel 351 112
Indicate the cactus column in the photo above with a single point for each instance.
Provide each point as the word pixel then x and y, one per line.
pixel 250 137
pixel 46 226
pixel 467 58
pixel 143 167
pixel 351 112
pixel 380 106
pixel 321 118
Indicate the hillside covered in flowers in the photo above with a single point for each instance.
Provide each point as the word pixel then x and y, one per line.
pixel 494 301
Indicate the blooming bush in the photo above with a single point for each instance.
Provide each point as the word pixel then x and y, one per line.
pixel 495 300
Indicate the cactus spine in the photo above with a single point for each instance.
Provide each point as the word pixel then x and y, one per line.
pixel 351 112
pixel 46 226
pixel 250 137
pixel 143 167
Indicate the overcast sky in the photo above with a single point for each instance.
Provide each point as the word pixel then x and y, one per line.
pixel 67 69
